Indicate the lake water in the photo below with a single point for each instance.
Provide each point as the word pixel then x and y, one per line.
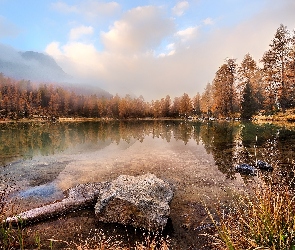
pixel 39 161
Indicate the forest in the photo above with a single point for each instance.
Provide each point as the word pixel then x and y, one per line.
pixel 237 91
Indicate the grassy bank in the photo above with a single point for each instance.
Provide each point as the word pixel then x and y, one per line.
pixel 287 116
pixel 264 219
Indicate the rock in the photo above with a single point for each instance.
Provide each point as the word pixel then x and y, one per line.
pixel 264 166
pixel 78 197
pixel 141 201
pixel 246 169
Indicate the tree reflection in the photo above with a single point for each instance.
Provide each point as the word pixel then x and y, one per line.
pixel 230 143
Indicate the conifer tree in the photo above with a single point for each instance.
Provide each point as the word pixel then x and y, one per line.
pixel 248 104
pixel 224 89
pixel 207 100
pixel 275 64
pixel 250 74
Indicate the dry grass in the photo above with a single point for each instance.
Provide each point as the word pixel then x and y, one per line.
pixel 99 241
pixel 263 220
pixel 17 238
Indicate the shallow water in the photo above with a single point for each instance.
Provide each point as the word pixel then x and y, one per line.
pixel 40 161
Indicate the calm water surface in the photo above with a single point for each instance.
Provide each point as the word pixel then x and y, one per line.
pixel 40 161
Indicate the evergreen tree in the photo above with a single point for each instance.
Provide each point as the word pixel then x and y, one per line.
pixel 197 104
pixel 249 73
pixel 248 105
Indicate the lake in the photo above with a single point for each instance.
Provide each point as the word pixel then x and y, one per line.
pixel 39 161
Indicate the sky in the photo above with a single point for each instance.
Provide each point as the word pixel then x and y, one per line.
pixel 148 47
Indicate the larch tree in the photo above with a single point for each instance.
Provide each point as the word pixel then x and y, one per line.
pixel 250 86
pixel 156 109
pixel 197 104
pixel 185 105
pixel 207 100
pixel 175 108
pixel 166 106
pixel 113 109
pixel 224 89
pixel 291 72
pixel 275 62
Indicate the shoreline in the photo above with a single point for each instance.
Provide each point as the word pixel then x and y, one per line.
pixel 85 119
pixel 278 119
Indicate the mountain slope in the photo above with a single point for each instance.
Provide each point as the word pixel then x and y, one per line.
pixel 39 67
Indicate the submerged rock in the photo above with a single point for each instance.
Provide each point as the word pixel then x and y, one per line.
pixel 246 169
pixel 141 201
pixel 264 166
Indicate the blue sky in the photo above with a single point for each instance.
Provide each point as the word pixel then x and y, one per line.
pixel 150 48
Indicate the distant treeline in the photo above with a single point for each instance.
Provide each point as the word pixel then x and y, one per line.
pixel 236 91
pixel 22 99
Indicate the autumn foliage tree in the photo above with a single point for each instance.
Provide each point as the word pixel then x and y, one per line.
pixel 275 68
pixel 206 101
pixel 250 87
pixel 224 89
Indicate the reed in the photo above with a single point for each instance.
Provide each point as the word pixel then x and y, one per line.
pixel 263 219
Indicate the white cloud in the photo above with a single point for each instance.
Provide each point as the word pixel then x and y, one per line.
pixel 140 29
pixel 187 34
pixel 172 52
pixel 53 49
pixel 79 59
pixel 170 46
pixel 64 7
pixel 124 65
pixel 208 21
pixel 78 32
pixel 94 9
pixel 90 9
pixel 180 8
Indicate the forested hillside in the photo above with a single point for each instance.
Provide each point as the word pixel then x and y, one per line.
pixel 264 86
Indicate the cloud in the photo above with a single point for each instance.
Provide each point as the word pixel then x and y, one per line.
pixel 187 34
pixel 126 67
pixel 170 46
pixel 180 8
pixel 78 32
pixel 77 58
pixel 53 49
pixel 9 54
pixel 90 9
pixel 7 29
pixel 64 7
pixel 208 21
pixel 141 29
pixel 93 9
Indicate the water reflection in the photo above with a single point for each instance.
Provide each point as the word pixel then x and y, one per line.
pixel 229 143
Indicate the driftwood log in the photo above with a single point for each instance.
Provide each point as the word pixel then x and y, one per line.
pixel 79 197
pixel 141 201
